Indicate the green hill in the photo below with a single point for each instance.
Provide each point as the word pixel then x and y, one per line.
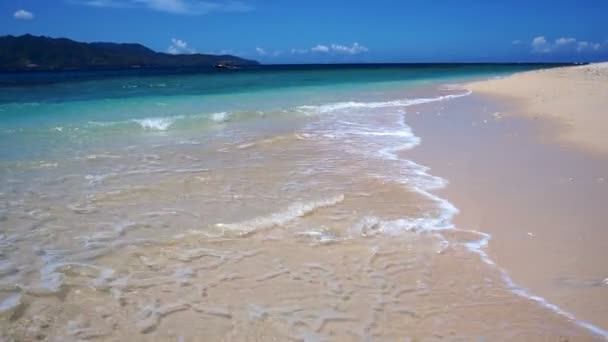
pixel 29 52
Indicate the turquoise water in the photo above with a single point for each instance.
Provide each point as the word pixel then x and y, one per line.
pixel 43 113
pixel 81 86
pixel 137 204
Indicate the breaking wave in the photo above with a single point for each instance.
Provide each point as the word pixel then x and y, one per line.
pixel 331 107
pixel 220 117
pixel 157 124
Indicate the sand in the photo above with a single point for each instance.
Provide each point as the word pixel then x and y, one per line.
pixel 574 98
pixel 543 202
pixel 297 233
pixel 282 283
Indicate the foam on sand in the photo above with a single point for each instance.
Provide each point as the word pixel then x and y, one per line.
pixel 386 144
pixel 479 246
pixel 280 218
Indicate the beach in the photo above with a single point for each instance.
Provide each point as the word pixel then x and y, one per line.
pixel 568 186
pixel 533 174
pixel 369 203
pixel 572 98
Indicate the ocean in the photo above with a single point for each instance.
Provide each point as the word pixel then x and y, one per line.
pixel 267 202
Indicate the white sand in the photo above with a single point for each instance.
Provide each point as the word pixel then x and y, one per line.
pixel 574 97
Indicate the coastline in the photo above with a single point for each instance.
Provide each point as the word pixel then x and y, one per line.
pixel 540 202
pixel 572 99
pixel 322 221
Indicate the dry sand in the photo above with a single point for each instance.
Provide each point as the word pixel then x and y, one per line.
pixel 576 98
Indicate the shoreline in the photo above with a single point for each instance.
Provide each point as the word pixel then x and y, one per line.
pixel 500 176
pixel 248 227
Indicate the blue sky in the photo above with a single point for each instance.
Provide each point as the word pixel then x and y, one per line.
pixel 320 31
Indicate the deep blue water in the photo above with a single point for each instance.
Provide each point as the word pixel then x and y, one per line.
pixel 86 85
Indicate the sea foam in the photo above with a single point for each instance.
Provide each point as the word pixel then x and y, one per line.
pixel 332 107
pixel 417 178
pixel 156 124
pixel 283 217
pixel 164 123
pixel 219 117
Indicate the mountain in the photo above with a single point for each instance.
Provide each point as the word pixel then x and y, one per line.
pixel 29 52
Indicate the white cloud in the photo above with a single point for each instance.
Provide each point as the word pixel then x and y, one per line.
pixel 263 52
pixel 337 49
pixel 102 3
pixel 355 49
pixel 193 7
pixel 260 51
pixel 298 51
pixel 320 48
pixel 332 49
pixel 586 46
pixel 565 41
pixel 179 47
pixel 23 15
pixel 542 45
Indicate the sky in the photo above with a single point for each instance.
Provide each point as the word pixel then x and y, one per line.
pixel 330 31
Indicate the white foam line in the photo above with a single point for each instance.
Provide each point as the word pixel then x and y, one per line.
pixel 326 108
pixel 444 221
pixel 279 218
pixel 165 123
pixel 157 124
pixel 477 247
pixel 426 182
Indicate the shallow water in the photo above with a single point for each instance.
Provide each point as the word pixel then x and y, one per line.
pixel 285 214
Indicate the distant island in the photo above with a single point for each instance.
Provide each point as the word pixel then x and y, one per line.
pixel 30 52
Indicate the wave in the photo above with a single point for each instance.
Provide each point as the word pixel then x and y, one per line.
pixel 157 124
pixel 164 123
pixel 187 121
pixel 382 137
pixel 280 218
pixel 219 117
pixel 332 107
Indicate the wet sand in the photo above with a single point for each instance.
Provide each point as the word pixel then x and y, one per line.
pixel 544 203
